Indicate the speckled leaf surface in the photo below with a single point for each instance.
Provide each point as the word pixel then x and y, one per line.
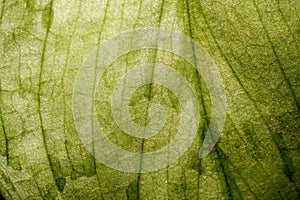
pixel 255 45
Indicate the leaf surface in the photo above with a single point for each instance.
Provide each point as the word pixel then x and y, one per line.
pixel 255 45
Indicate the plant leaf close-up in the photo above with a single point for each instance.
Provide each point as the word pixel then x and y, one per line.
pixel 253 43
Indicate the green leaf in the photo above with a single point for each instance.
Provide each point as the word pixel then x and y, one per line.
pixel 255 45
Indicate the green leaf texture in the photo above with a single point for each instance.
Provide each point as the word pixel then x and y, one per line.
pixel 255 45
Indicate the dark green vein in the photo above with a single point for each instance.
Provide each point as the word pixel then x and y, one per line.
pixel 244 89
pixel 36 183
pixel 139 175
pixel 288 166
pixel 148 103
pixel 280 65
pixel 64 100
pixel 230 182
pixel 199 79
pixel 217 149
pixel 205 121
pixel 287 24
pixel 2 11
pixel 294 8
pixel 236 170
pixel 3 128
pixel 132 191
pixel 94 81
pixel 122 14
pixel 10 182
pixel 42 63
pixel 221 161
pixel 138 14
